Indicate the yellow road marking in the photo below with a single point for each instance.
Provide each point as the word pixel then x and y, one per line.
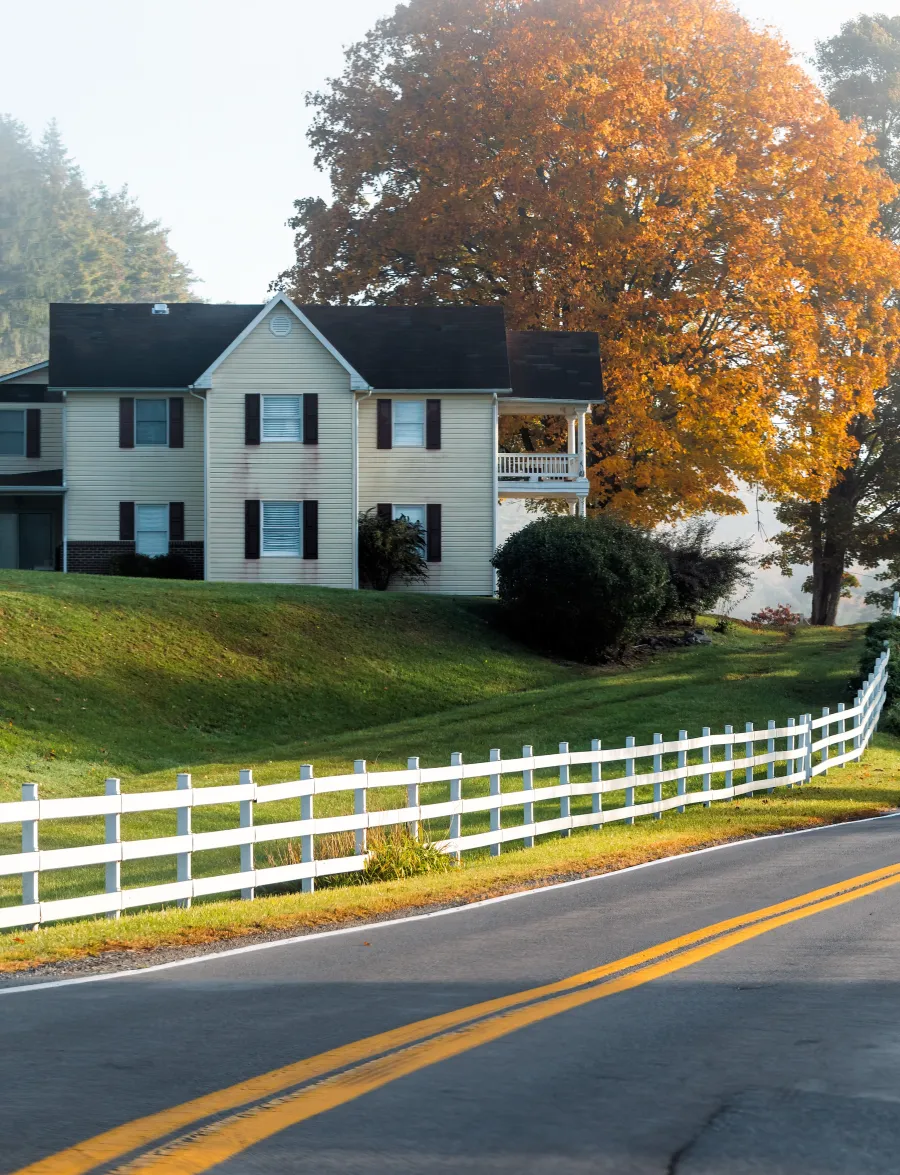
pixel 131 1136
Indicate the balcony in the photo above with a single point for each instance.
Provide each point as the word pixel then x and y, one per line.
pixel 535 475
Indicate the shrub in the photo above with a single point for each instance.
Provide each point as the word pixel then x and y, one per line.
pixel 390 549
pixel 885 629
pixel 580 587
pixel 701 573
pixel 393 854
pixel 780 616
pixel 171 566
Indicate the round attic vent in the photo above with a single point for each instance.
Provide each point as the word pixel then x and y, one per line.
pixel 280 325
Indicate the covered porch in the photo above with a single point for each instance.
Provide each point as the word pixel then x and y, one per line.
pixel 31 525
pixel 552 475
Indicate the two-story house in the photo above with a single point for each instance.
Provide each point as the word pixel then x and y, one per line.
pixel 250 438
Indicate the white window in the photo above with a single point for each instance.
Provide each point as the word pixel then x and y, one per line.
pixel 282 418
pixel 411 514
pixel 151 422
pixel 282 528
pixel 151 529
pixel 12 433
pixel 409 422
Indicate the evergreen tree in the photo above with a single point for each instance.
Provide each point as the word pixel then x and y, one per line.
pixel 62 241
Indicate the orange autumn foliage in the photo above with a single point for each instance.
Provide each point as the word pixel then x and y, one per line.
pixel 654 170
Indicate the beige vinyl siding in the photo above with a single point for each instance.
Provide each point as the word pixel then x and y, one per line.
pixel 100 475
pixel 33 377
pixel 460 476
pixel 51 440
pixel 281 471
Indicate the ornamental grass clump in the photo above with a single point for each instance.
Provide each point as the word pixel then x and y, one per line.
pixel 583 588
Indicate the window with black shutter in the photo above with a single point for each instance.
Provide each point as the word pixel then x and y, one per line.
pixel 432 424
pixel 33 432
pixel 384 424
pixel 310 529
pixel 311 418
pixel 126 422
pixel 251 421
pixel 176 422
pixel 251 529
pixel 433 532
pixel 126 522
pixel 176 522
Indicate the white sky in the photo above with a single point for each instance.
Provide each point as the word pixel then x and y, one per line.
pixel 198 106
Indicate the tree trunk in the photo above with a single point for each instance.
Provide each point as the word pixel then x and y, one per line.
pixel 831 523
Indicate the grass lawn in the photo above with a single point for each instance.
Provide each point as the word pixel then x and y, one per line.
pixel 140 679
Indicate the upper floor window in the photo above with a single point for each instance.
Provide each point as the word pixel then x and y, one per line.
pixel 409 423
pixel 282 528
pixel 12 433
pixel 282 418
pixel 151 528
pixel 151 422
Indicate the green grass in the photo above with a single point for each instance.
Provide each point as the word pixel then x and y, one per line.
pixel 140 679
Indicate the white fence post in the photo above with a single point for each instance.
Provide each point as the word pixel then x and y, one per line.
pixel 597 780
pixel 808 741
pixel 246 821
pixel 113 836
pixel 826 750
pixel 629 772
pixel 183 870
pixel 528 785
pixel 749 748
pixel 682 767
pixel 31 879
pixel 770 747
pixel 495 812
pixel 565 802
pixel 842 729
pixel 359 808
pixel 307 842
pixel 791 764
pixel 657 787
pixel 412 795
pixel 456 797
pixel 707 758
pixel 728 757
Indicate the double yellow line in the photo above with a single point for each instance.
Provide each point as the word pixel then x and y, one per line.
pixel 196 1135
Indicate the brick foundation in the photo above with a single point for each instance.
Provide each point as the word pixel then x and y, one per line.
pixel 94 558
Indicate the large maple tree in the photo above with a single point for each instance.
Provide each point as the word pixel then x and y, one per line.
pixel 654 170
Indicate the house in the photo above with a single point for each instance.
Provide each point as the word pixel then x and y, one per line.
pixel 249 438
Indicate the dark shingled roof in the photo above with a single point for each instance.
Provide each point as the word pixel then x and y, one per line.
pixel 555 365
pixel 419 347
pixel 46 477
pixel 127 346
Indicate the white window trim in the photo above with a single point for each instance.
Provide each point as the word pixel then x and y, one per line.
pixel 263 553
pixel 395 444
pixel 156 444
pixel 262 419
pixel 164 506
pixel 18 412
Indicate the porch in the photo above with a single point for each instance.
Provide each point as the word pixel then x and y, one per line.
pixel 556 475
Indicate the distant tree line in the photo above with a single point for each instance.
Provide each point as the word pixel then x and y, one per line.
pixel 62 240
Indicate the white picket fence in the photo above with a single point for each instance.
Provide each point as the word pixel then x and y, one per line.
pixel 725 765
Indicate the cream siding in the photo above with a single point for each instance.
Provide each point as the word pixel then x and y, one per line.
pixel 51 441
pixel 281 471
pixel 460 476
pixel 100 475
pixel 33 377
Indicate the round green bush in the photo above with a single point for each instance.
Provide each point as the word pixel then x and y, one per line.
pixel 580 587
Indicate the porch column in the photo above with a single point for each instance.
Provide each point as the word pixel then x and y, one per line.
pixel 573 440
pixel 582 444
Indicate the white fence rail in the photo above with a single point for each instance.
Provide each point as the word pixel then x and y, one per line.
pixel 696 770
pixel 539 466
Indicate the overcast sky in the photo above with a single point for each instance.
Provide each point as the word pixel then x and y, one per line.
pixel 198 106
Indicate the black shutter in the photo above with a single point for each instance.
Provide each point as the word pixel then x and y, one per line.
pixel 176 522
pixel 32 432
pixel 252 404
pixel 311 529
pixel 126 422
pixel 176 422
pixel 433 531
pixel 432 424
pixel 126 522
pixel 385 510
pixel 251 528
pixel 385 428
pixel 311 418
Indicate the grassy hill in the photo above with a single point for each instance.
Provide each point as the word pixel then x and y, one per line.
pixel 103 676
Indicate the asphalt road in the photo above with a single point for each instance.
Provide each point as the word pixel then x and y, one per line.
pixel 780 1054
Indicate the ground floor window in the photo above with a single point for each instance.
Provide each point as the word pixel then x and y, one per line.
pixel 411 514
pixel 151 528
pixel 282 528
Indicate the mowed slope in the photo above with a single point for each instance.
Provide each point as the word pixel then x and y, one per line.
pixel 103 676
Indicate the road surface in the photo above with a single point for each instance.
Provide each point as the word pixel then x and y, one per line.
pixel 770 1044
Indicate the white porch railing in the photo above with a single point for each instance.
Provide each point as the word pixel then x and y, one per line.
pixel 601 785
pixel 539 466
